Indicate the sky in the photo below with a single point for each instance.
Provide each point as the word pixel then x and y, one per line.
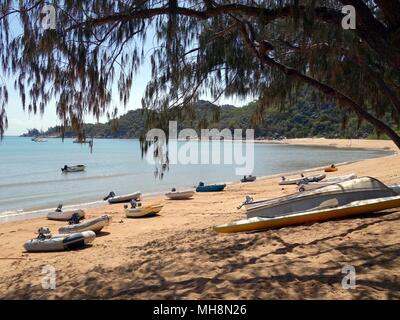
pixel 19 121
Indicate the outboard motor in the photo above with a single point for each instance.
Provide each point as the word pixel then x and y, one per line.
pixel 201 184
pixel 283 178
pixel 59 208
pixel 249 199
pixel 110 195
pixel 44 233
pixel 133 203
pixel 173 190
pixel 75 218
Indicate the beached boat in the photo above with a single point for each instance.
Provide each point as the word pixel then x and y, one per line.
pixel 95 225
pixel 249 178
pixel 112 198
pixel 210 188
pixel 316 215
pixel 143 211
pixel 60 242
pixel 61 215
pixel 340 194
pixel 180 195
pixel 305 185
pixel 332 168
pixel 316 178
pixel 77 168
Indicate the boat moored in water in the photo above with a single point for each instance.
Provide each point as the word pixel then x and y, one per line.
pixel 77 168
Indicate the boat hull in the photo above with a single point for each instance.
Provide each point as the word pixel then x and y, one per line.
pixel 180 195
pixel 95 225
pixel 61 242
pixel 298 180
pixel 211 188
pixel 145 211
pixel 354 208
pixel 125 198
pixel 64 215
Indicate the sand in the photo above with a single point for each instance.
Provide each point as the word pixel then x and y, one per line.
pixel 176 255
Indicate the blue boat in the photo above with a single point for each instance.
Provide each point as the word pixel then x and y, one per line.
pixel 210 188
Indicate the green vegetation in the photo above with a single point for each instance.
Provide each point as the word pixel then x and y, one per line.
pixel 306 118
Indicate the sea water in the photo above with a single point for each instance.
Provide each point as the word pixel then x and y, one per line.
pixel 31 180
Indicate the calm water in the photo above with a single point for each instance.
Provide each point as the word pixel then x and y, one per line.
pixel 31 178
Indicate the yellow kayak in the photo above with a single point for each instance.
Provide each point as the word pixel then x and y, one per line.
pixel 353 208
pixel 144 211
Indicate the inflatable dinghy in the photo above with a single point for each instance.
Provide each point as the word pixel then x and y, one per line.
pixel 95 225
pixel 60 242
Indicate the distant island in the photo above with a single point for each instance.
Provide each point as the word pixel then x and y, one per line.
pixel 304 119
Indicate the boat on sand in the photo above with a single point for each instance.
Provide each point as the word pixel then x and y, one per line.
pixel 316 215
pixel 305 185
pixel 61 215
pixel 113 198
pixel 94 224
pixel 316 178
pixel 179 195
pixel 210 188
pixel 143 211
pixel 358 196
pixel 46 242
pixel 249 178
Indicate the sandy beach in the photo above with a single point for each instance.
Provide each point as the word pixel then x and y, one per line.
pixel 177 255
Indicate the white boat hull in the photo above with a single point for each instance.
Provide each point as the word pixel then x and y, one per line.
pixel 64 215
pixel 180 195
pixel 61 242
pixel 125 198
pixel 95 225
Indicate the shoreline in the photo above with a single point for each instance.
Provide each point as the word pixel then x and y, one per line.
pixel 101 204
pixel 177 255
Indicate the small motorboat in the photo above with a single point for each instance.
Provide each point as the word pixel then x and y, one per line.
pixel 305 185
pixel 78 168
pixel 95 225
pixel 316 215
pixel 39 139
pixel 210 188
pixel 46 242
pixel 342 193
pixel 332 168
pixel 61 215
pixel 113 198
pixel 249 178
pixel 139 211
pixel 179 195
pixel 317 178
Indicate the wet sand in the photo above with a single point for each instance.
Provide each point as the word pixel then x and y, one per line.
pixel 176 255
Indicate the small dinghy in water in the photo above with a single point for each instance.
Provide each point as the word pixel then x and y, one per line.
pixel 302 178
pixel 46 242
pixel 112 198
pixel 180 195
pixel 61 215
pixel 77 168
pixel 95 225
